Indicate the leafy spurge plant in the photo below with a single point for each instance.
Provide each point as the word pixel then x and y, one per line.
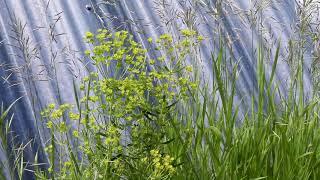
pixel 126 106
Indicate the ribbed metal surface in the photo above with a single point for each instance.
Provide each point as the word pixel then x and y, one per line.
pixel 39 36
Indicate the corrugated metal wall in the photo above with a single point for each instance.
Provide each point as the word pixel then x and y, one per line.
pixel 41 46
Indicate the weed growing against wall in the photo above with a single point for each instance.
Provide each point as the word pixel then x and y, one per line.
pixel 125 113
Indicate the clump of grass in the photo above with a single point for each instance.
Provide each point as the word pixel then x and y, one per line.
pixel 15 169
pixel 276 141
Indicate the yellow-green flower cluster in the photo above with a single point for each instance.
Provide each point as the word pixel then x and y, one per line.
pixel 112 140
pixel 57 114
pixel 49 149
pixel 89 121
pixel 47 111
pixel 162 164
pixel 53 113
pixel 188 32
pixel 75 133
pixel 74 116
pixel 89 37
pixel 62 127
pixel 166 38
pixel 124 96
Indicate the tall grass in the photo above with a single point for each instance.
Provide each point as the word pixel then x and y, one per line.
pixel 16 168
pixel 276 141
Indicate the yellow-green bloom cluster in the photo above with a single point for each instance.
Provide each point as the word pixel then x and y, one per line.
pixel 166 37
pixel 113 137
pixel 49 149
pixel 188 32
pixel 74 116
pixel 75 133
pixel 57 113
pixel 50 124
pixel 53 113
pixel 162 163
pixel 62 127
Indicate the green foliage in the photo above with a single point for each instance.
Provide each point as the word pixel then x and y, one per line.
pixel 143 118
pixel 139 96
